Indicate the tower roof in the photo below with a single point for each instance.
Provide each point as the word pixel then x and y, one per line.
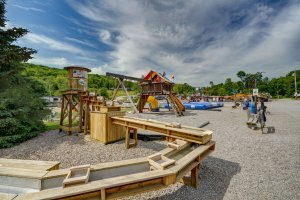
pixel 157 77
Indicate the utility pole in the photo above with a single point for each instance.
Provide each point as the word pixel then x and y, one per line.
pixel 255 97
pixel 49 92
pixel 295 75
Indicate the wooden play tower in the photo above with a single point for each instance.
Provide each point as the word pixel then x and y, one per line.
pixel 152 85
pixel 157 84
pixel 77 102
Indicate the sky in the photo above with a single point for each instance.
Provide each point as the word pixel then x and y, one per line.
pixel 197 41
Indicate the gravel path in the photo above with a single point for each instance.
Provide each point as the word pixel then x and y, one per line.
pixel 245 165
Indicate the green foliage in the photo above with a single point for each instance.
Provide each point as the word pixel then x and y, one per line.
pixel 52 81
pixel 103 92
pixel 21 108
pixel 52 125
pixel 281 87
pixel 184 89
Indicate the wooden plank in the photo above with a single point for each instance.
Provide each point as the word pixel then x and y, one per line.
pixel 200 137
pixel 20 182
pixel 78 174
pixel 5 196
pixel 199 151
pixel 29 164
pixel 133 186
pixel 94 186
pixel 135 191
pixel 192 132
pixel 167 180
pixel 101 166
pixel 23 173
pixel 178 144
pixel 127 77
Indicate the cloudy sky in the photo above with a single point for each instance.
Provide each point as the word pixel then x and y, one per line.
pixel 196 40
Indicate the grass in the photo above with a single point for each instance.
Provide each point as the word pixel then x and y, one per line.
pixel 121 93
pixel 51 125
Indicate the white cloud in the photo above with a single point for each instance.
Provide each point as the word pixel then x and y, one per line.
pixel 198 41
pixel 53 62
pixel 105 36
pixel 52 43
pixel 29 8
pixel 86 43
pixel 99 70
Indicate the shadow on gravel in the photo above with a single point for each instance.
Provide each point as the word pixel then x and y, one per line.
pixel 269 130
pixel 171 113
pixel 215 177
pixel 152 145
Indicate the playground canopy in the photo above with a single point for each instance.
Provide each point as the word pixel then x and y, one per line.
pixel 157 77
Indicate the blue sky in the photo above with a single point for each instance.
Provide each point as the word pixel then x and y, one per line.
pixel 196 40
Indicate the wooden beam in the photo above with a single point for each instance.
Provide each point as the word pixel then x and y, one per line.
pixel 127 77
pixel 115 92
pixel 128 96
pixel 195 178
pixel 29 164
pixel 200 136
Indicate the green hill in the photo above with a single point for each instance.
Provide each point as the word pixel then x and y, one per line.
pixel 53 81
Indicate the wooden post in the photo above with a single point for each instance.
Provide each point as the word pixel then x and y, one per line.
pixel 103 195
pixel 127 138
pixel 135 137
pixel 194 176
pixel 87 116
pixel 115 92
pixel 62 112
pixel 168 104
pixel 168 180
pixel 131 102
pixel 70 112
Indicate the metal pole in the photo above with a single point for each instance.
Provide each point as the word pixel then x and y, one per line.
pixel 255 97
pixel 295 75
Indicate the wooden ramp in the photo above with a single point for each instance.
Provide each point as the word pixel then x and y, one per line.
pixel 186 133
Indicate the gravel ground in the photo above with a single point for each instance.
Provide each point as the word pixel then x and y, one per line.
pixel 245 165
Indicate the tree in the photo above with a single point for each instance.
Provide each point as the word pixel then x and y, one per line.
pixel 103 92
pixel 241 75
pixel 21 108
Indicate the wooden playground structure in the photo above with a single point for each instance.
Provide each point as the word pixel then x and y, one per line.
pixel 153 84
pixel 186 148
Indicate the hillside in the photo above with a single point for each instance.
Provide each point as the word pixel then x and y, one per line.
pixel 54 81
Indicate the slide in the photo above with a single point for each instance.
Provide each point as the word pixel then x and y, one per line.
pixel 153 104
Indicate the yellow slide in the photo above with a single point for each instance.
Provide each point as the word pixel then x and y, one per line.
pixel 154 104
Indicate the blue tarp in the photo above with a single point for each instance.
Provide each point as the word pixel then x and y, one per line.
pixel 198 105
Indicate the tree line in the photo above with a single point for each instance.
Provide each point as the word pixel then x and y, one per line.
pixel 283 86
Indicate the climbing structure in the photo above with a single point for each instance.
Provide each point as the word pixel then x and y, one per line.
pixel 158 84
